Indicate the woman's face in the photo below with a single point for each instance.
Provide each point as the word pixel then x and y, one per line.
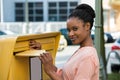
pixel 78 32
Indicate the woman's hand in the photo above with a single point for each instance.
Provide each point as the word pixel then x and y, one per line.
pixel 34 45
pixel 49 67
pixel 47 61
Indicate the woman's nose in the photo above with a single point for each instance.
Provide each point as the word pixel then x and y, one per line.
pixel 71 33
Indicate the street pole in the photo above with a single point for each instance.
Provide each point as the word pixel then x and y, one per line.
pixel 99 35
pixel 26 16
pixel 1 11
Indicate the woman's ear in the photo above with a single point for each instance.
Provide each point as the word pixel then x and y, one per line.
pixel 87 26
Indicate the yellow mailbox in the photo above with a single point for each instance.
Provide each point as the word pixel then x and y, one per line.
pixel 15 54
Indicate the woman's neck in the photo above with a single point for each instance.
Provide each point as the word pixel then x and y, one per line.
pixel 88 42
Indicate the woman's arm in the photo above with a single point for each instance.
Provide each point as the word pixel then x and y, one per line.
pixel 55 76
pixel 46 60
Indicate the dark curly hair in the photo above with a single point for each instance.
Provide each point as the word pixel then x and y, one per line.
pixel 84 12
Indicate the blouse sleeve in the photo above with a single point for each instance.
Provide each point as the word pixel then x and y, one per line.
pixel 59 72
pixel 86 69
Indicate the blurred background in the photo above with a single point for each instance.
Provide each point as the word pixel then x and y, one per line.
pixel 29 16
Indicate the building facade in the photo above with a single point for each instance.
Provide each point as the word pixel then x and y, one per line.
pixel 37 10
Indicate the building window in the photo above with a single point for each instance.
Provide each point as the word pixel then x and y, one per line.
pixel 72 6
pixel 52 11
pixel 19 12
pixel 35 11
pixel 58 11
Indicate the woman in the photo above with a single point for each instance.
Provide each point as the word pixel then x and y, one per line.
pixel 84 63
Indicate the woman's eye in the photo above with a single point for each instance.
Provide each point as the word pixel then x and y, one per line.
pixel 68 30
pixel 75 29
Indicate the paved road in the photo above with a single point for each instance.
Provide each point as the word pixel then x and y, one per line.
pixel 63 56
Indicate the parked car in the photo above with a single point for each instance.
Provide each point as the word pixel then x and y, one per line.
pixel 114 56
pixel 107 36
pixel 6 32
pixel 65 33
pixel 62 43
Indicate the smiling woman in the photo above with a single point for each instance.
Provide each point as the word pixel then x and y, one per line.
pixel 84 63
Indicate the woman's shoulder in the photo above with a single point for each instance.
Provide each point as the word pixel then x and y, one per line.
pixel 88 52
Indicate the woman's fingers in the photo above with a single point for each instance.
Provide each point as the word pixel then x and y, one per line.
pixel 41 58
pixel 34 45
pixel 45 58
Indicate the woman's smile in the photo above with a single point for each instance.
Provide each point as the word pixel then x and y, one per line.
pixel 73 38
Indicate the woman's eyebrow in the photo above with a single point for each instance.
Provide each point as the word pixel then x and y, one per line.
pixel 75 26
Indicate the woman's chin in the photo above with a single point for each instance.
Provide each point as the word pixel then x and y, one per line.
pixel 74 43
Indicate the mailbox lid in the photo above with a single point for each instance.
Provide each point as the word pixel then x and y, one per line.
pixel 30 53
pixel 49 41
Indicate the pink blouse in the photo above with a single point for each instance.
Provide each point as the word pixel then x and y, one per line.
pixel 83 65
